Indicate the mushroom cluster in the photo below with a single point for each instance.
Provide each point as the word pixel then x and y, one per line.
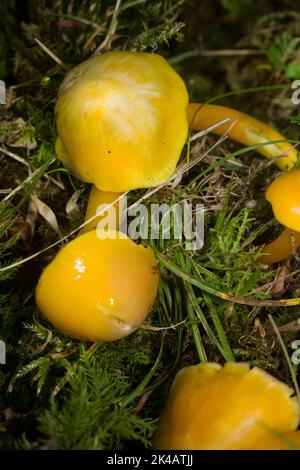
pixel 122 121
pixel 122 124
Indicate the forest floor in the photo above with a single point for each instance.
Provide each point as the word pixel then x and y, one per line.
pixel 224 51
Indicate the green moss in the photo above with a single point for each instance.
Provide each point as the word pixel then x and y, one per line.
pixel 60 393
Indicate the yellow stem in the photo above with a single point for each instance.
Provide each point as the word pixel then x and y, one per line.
pixel 247 131
pixel 281 248
pixel 98 200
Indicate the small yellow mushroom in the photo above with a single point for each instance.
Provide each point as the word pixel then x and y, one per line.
pixel 99 289
pixel 284 195
pixel 108 205
pixel 122 124
pixel 246 130
pixel 121 120
pixel 232 407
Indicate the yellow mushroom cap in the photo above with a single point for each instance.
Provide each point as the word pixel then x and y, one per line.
pixel 230 407
pixel 284 195
pixel 99 289
pixel 121 120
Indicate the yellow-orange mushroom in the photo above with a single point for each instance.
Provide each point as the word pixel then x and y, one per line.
pixel 284 196
pixel 121 120
pixel 108 205
pixel 99 289
pixel 232 407
pixel 246 130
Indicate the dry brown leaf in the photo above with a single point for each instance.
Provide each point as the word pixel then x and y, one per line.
pixel 259 328
pixel 46 213
pixel 31 216
pixel 279 287
pixel 291 326
pixel 66 23
pixel 72 208
pixel 22 228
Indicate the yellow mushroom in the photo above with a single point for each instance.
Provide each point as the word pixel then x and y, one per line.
pixel 247 130
pixel 108 205
pixel 122 123
pixel 284 195
pixel 99 289
pixel 232 407
pixel 121 120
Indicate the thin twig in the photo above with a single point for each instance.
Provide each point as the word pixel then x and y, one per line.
pixel 89 41
pixel 291 326
pixel 208 129
pixel 65 237
pixel 21 186
pixel 25 163
pixel 161 328
pixel 229 52
pixel 287 357
pixel 51 54
pixel 106 43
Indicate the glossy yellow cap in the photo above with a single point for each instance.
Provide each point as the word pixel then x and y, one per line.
pixel 230 407
pixel 99 289
pixel 284 195
pixel 121 120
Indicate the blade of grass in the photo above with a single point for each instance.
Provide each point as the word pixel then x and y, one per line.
pixel 227 351
pixel 142 385
pixel 178 271
pixel 286 355
pixel 192 315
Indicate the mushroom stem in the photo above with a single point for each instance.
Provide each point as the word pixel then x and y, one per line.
pixel 110 218
pixel 281 248
pixel 247 130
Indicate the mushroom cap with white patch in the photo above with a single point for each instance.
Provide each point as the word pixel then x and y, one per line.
pixel 121 120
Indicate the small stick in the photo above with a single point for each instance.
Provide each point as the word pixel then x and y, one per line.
pixel 210 128
pixel 111 30
pixel 24 162
pixel 286 355
pixel 229 52
pixel 51 54
pixel 291 326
